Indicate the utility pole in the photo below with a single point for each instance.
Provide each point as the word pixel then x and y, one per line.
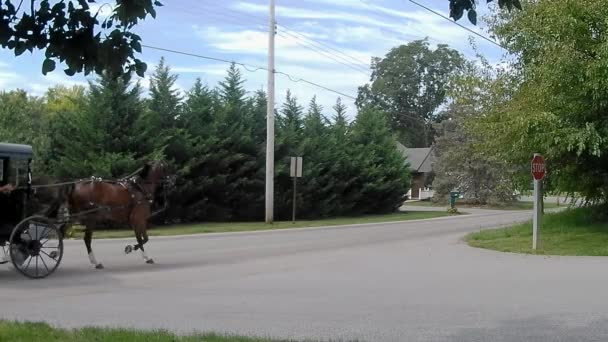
pixel 270 120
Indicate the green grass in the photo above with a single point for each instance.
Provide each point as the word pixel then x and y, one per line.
pixel 254 226
pixel 571 232
pixel 510 206
pixel 42 332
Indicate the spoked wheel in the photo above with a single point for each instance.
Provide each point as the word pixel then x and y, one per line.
pixel 36 247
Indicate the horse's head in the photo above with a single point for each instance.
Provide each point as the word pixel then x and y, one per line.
pixel 158 173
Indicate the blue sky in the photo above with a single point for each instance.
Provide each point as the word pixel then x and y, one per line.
pixel 235 30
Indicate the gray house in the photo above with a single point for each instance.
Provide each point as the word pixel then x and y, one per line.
pixel 421 162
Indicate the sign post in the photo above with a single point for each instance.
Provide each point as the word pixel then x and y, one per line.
pixel 538 173
pixel 295 172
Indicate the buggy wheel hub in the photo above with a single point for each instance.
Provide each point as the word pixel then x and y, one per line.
pixel 34 247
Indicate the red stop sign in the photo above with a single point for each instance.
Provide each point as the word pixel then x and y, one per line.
pixel 538 167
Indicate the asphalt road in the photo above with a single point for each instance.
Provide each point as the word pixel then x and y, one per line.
pixel 412 281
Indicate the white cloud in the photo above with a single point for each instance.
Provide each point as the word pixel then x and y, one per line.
pixel 289 49
pixel 9 79
pixel 104 10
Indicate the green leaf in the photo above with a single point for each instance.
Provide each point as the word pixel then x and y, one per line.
pixel 517 4
pixel 140 69
pixel 457 13
pixel 20 48
pixel 136 45
pixel 48 66
pixel 472 17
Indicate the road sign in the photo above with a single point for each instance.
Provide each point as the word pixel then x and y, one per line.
pixel 296 172
pixel 538 167
pixel 296 167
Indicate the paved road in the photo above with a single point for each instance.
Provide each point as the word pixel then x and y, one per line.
pixel 413 281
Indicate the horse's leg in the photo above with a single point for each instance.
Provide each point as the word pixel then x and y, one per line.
pixel 142 238
pixel 88 236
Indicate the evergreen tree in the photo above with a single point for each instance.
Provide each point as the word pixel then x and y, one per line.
pixel 104 139
pixel 384 174
pixel 316 185
pixel 287 144
pixel 200 107
pixel 165 100
pixel 232 92
pixel 340 115
pixel 223 180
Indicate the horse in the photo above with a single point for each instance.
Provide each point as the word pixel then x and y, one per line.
pixel 127 202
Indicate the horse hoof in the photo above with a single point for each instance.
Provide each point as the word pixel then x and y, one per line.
pixel 128 249
pixel 99 266
pixel 149 261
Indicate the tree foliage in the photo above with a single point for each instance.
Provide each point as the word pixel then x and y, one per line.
pixel 410 84
pixel 215 138
pixel 479 177
pixel 70 32
pixel 558 102
pixel 459 7
pixel 101 137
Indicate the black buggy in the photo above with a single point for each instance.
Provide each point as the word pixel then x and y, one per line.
pixel 33 243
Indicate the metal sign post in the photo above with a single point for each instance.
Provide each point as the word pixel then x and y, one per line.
pixel 538 173
pixel 295 172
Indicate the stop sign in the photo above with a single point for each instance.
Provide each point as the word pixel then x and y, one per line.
pixel 538 167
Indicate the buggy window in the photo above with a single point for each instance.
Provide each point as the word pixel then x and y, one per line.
pixel 18 172
pixel 1 171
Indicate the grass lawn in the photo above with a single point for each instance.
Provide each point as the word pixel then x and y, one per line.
pixel 41 332
pixel 571 232
pixel 253 226
pixel 510 206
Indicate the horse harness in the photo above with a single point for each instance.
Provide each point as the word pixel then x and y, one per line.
pixel 134 186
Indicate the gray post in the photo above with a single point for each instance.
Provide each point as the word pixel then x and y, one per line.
pixel 294 199
pixel 270 120
pixel 537 213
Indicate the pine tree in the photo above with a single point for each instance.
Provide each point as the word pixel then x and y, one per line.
pixel 232 92
pixel 104 139
pixel 223 180
pixel 316 185
pixel 384 174
pixel 165 100
pixel 340 115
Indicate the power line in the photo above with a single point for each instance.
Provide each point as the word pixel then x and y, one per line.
pixel 247 66
pixel 456 23
pixel 262 21
pixel 328 55
pixel 446 18
pixel 315 84
pixel 354 59
pixel 315 47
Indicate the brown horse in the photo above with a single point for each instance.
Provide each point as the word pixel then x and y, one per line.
pixel 121 202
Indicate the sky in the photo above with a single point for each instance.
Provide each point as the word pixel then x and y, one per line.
pixel 330 44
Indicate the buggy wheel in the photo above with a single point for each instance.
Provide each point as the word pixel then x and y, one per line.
pixel 36 247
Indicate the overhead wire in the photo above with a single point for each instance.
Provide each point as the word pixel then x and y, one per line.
pixel 456 23
pixel 308 43
pixel 354 59
pixel 327 55
pixel 246 66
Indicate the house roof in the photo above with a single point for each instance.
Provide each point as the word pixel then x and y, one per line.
pixel 420 159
